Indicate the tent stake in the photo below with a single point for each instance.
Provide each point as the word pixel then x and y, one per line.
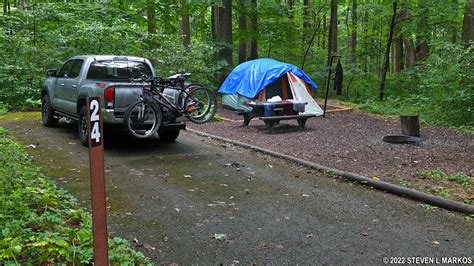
pixel 327 85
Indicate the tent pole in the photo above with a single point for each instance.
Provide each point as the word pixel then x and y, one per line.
pixel 327 85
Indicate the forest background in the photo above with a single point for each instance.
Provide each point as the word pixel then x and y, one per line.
pixel 425 47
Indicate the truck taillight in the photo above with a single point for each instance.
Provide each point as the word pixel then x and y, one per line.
pixel 109 97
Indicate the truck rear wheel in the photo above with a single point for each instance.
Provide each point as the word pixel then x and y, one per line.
pixel 169 136
pixel 82 127
pixel 47 113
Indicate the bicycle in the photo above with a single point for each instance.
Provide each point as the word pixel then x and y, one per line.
pixel 144 117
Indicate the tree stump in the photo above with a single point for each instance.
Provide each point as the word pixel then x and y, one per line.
pixel 410 125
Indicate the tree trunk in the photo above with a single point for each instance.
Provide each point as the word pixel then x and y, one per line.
pixel 323 45
pixel 332 38
pixel 424 35
pixel 348 29
pixel 151 16
pixel 151 22
pixel 306 23
pixel 242 32
pixel 213 22
pixel 387 52
pixel 365 59
pixel 185 24
pixel 224 35
pixel 254 30
pixel 410 52
pixel 291 32
pixel 424 49
pixel 354 33
pixel 468 23
pixel 392 58
pixel 398 54
pixel 454 27
pixel 408 41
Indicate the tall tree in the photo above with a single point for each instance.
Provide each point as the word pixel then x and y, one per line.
pixel 468 23
pixel 332 38
pixel 223 25
pixel 424 32
pixel 213 22
pixel 242 31
pixel 354 33
pixel 151 23
pixel 254 30
pixel 291 32
pixel 151 16
pixel 407 39
pixel 323 39
pixel 398 54
pixel 306 18
pixel 365 41
pixel 387 52
pixel 186 31
pixel 454 26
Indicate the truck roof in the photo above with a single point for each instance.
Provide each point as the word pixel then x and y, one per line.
pixel 110 57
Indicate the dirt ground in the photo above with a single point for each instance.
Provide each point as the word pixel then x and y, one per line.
pixel 200 201
pixel 352 141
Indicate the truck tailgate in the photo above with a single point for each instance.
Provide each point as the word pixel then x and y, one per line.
pixel 125 94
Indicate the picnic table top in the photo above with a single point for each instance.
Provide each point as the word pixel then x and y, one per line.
pixel 286 117
pixel 276 104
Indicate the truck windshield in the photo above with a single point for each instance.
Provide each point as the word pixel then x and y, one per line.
pixel 118 70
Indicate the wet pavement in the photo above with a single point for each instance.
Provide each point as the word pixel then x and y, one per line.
pixel 202 201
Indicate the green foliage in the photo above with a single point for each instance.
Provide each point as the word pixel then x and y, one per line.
pixel 41 223
pixel 46 34
pixel 439 88
pixel 427 206
pixel 465 180
pixel 216 118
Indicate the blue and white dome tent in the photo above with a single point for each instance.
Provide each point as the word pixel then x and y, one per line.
pixel 261 79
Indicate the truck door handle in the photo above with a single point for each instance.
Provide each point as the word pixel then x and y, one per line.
pixel 74 86
pixel 62 84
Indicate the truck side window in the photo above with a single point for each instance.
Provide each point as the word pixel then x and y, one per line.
pixel 76 68
pixel 65 69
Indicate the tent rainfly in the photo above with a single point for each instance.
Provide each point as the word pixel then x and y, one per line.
pixel 262 79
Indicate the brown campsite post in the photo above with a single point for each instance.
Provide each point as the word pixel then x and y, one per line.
pixel 410 125
pixel 97 171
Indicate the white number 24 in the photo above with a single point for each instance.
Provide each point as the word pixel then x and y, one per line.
pixel 95 132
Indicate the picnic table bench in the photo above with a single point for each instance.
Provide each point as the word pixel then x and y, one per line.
pixel 270 121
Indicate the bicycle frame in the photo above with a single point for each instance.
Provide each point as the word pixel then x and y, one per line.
pixel 162 100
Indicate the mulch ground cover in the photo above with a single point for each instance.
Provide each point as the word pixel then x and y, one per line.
pixel 352 141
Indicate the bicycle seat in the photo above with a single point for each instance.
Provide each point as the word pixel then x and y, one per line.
pixel 180 76
pixel 175 76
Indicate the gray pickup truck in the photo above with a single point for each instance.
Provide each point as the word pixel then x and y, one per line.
pixel 107 76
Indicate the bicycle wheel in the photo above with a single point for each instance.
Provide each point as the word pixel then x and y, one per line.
pixel 142 119
pixel 200 104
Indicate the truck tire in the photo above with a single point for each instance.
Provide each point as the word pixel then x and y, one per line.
pixel 82 127
pixel 169 136
pixel 47 113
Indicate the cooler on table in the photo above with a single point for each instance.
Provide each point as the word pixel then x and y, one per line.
pixel 268 109
pixel 298 106
pixel 287 108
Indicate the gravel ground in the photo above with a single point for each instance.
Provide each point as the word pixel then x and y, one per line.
pixel 352 141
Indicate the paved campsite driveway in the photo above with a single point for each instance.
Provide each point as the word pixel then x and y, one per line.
pixel 173 198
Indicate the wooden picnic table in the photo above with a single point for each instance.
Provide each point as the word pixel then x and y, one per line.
pixel 270 121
